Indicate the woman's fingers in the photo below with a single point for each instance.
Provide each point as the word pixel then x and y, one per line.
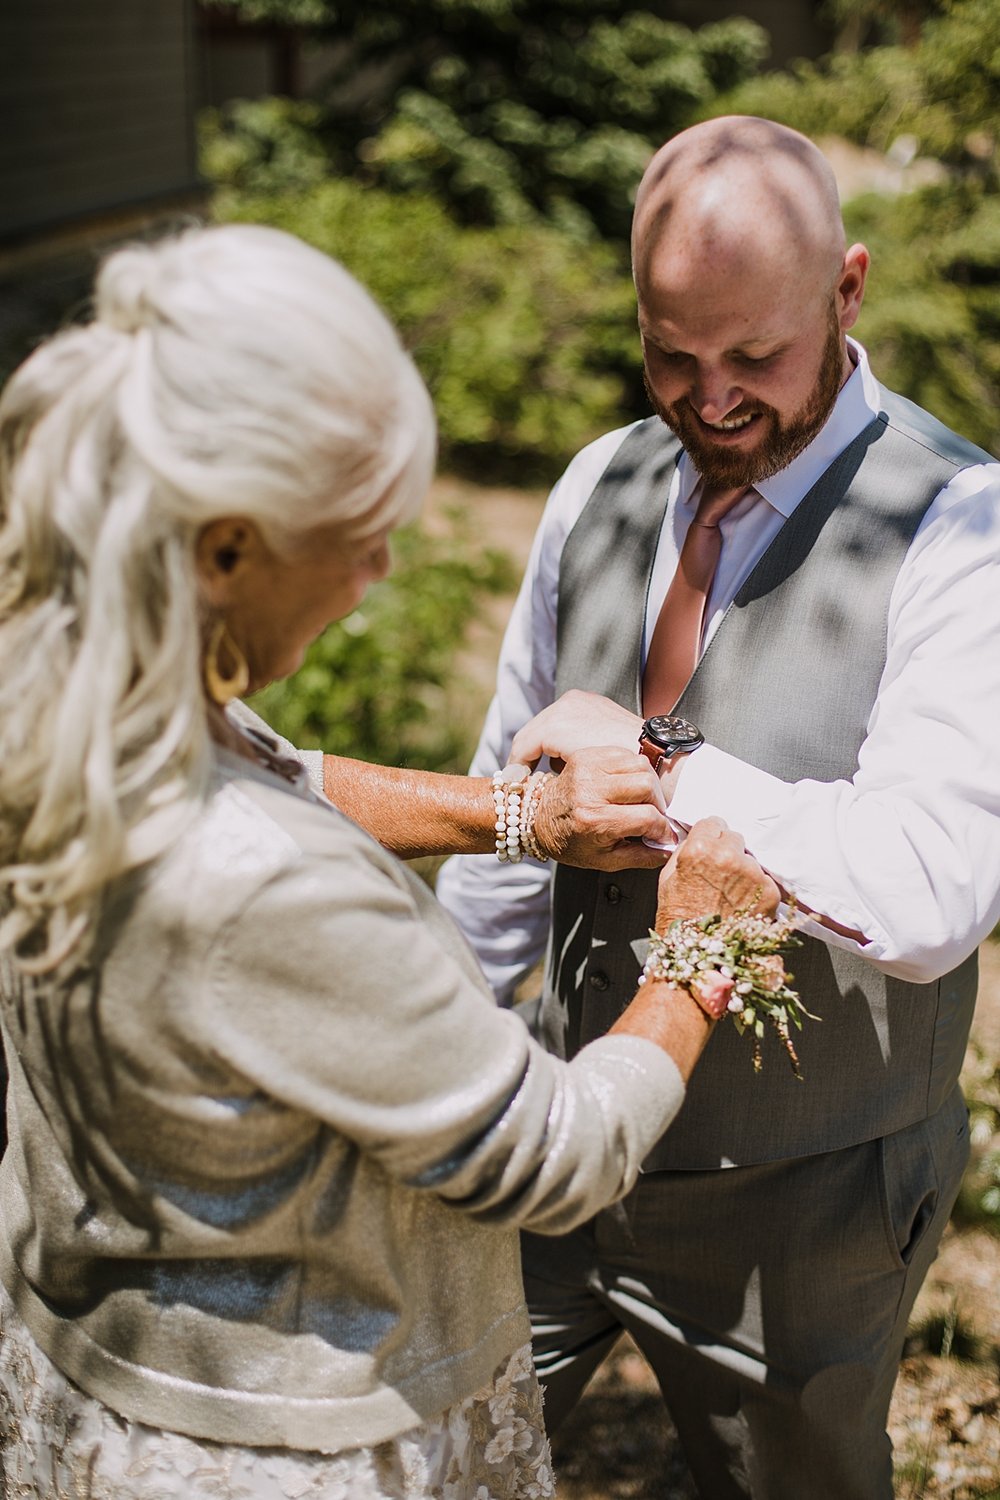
pixel 616 775
pixel 605 800
pixel 711 828
pixel 712 872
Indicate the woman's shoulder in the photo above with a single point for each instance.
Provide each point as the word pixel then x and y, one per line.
pixel 255 831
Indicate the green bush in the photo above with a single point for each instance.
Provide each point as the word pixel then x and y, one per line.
pixel 943 92
pixel 979 1197
pixel 380 685
pixel 505 111
pixel 526 338
pixel 931 318
pixel 263 145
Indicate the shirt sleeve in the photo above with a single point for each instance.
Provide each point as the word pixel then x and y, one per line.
pixel 908 850
pixel 504 909
pixel 337 993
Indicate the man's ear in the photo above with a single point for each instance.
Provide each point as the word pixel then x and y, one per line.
pixel 223 552
pixel 851 286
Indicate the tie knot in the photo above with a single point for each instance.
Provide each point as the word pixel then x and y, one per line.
pixel 716 503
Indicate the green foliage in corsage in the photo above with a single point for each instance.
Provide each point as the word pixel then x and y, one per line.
pixel 737 961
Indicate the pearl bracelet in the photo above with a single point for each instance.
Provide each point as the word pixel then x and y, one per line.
pixel 508 787
pixel 516 795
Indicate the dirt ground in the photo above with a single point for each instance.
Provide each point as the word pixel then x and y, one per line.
pixel 945 1418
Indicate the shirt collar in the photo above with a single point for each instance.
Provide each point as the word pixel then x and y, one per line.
pixel 855 407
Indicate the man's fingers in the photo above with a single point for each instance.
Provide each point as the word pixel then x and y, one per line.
pixel 528 745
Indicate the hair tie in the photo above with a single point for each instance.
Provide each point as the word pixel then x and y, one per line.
pixel 126 291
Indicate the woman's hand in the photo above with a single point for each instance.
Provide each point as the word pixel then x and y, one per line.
pixel 712 872
pixel 596 813
pixel 576 721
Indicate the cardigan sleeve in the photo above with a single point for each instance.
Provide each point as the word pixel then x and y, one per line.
pixel 339 991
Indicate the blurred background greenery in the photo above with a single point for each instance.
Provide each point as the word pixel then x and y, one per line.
pixel 484 187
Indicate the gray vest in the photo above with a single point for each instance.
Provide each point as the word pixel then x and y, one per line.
pixel 787 684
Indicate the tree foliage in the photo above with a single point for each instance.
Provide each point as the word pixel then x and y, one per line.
pixel 944 91
pixel 526 338
pixel 855 18
pixel 931 318
pixel 507 111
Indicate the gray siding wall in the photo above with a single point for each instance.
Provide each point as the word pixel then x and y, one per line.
pixel 96 107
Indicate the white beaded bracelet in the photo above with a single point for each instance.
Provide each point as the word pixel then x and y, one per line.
pixel 508 789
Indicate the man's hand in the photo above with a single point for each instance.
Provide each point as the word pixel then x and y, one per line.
pixel 712 872
pixel 597 811
pixel 576 721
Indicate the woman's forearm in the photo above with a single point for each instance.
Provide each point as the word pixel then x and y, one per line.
pixel 671 1018
pixel 595 813
pixel 413 813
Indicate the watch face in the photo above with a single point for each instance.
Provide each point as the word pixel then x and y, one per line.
pixel 672 733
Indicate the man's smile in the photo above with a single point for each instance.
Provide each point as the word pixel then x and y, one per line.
pixel 728 426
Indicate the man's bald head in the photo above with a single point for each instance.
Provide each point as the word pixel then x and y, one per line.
pixel 750 196
pixel 746 292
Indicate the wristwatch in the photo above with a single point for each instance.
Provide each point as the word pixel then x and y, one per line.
pixel 666 735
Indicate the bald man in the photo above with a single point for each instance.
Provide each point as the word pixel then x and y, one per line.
pixel 842 674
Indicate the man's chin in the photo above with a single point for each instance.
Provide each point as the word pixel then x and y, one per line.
pixel 723 464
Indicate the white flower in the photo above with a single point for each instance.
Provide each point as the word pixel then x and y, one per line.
pixel 502 1406
pixel 500 1446
pixel 524 1436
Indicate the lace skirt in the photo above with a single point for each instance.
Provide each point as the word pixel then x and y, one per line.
pixel 56 1443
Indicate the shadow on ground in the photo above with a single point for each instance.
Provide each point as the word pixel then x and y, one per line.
pixel 619 1443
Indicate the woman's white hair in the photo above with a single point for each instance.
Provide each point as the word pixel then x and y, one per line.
pixel 227 371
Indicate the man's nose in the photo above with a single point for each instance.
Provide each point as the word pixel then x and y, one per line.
pixel 714 395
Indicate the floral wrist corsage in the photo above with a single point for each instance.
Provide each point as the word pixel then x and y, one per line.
pixel 733 965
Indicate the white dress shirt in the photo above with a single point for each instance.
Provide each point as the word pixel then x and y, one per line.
pixel 908 850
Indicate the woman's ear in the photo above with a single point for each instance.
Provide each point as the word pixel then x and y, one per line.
pixel 224 551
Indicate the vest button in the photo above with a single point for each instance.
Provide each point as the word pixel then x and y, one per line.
pixel 613 893
pixel 598 980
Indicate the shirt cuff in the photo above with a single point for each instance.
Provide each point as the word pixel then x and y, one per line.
pixel 873 949
pixel 752 802
pixel 714 784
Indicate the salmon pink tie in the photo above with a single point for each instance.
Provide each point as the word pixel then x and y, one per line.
pixel 675 647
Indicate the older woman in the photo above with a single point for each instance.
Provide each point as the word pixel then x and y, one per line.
pixel 269 1141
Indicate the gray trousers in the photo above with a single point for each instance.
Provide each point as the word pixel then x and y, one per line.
pixel 771 1302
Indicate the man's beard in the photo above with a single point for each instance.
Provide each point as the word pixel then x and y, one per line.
pixel 728 468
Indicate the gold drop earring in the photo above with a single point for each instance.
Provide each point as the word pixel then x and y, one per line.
pixel 227 675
